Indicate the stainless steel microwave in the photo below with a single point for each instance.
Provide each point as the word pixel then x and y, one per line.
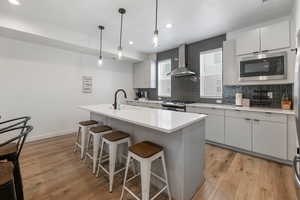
pixel 272 66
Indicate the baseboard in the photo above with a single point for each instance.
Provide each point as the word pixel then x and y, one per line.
pixel 286 162
pixel 48 135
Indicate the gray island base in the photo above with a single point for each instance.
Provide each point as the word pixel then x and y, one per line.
pixel 184 151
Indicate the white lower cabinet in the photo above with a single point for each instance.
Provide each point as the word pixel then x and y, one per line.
pixel 238 132
pixel 270 138
pixel 292 137
pixel 214 128
pixel 214 123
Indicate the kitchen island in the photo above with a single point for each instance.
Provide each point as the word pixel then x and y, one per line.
pixel 181 134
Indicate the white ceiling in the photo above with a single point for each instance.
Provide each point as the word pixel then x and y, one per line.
pixel 192 20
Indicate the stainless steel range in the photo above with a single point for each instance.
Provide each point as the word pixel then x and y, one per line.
pixel 175 105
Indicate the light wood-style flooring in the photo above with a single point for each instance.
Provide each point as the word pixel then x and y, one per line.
pixel 51 171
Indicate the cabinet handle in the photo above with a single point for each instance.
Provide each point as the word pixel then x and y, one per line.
pixel 295 50
pixel 255 52
pixel 237 110
pixel 256 120
pixel 265 51
pixel 269 113
pixel 248 119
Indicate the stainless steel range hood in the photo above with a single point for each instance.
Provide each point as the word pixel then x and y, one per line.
pixel 182 70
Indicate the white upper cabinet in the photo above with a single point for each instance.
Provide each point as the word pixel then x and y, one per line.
pixel 144 74
pixel 230 72
pixel 275 36
pixel 248 42
pixel 268 38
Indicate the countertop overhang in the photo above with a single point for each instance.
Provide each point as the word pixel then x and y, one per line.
pixel 162 120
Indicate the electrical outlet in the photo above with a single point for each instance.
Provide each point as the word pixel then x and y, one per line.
pixel 219 101
pixel 270 95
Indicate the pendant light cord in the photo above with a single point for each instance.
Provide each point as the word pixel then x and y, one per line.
pixel 121 31
pixel 101 43
pixel 156 11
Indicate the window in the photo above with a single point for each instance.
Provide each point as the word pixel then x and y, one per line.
pixel 164 81
pixel 211 74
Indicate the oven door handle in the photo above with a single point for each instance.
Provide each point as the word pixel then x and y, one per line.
pixel 297 176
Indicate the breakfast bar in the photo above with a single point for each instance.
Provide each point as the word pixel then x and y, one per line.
pixel 181 135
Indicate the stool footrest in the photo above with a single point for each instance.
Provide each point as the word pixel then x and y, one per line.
pixel 130 192
pixel 158 193
pixel 158 177
pixel 130 179
pixel 103 169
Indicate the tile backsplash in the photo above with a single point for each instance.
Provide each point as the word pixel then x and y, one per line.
pixel 258 94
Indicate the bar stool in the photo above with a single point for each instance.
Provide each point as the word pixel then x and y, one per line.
pixel 95 134
pixel 7 185
pixel 146 152
pixel 83 129
pixel 112 139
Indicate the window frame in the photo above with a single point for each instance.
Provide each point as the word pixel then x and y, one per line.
pixel 158 79
pixel 207 52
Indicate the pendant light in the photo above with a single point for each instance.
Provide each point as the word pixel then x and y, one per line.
pixel 155 36
pixel 100 61
pixel 122 11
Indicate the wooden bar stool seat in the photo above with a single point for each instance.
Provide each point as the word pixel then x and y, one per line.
pixel 100 129
pixel 88 123
pixel 146 152
pixel 7 186
pixel 95 135
pixel 116 136
pixel 112 139
pixel 81 135
pixel 8 149
pixel 145 149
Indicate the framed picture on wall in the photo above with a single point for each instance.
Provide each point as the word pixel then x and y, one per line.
pixel 87 84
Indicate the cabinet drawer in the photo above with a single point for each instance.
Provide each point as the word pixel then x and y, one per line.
pixel 212 111
pixel 263 116
pixel 272 117
pixel 238 113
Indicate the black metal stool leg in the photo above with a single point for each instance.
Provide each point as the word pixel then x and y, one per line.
pixel 18 181
pixel 7 191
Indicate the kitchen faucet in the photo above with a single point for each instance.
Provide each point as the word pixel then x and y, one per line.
pixel 116 96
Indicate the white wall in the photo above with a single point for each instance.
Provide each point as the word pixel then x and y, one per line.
pixel 45 83
pixel 297 14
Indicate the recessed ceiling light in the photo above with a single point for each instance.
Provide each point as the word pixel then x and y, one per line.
pixel 131 42
pixel 14 2
pixel 169 25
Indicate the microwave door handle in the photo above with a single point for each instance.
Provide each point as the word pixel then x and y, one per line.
pixel 297 176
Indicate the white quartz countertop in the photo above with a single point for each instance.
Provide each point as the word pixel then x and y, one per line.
pixel 251 109
pixel 162 120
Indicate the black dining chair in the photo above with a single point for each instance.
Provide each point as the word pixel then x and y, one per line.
pixel 11 149
pixel 21 121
